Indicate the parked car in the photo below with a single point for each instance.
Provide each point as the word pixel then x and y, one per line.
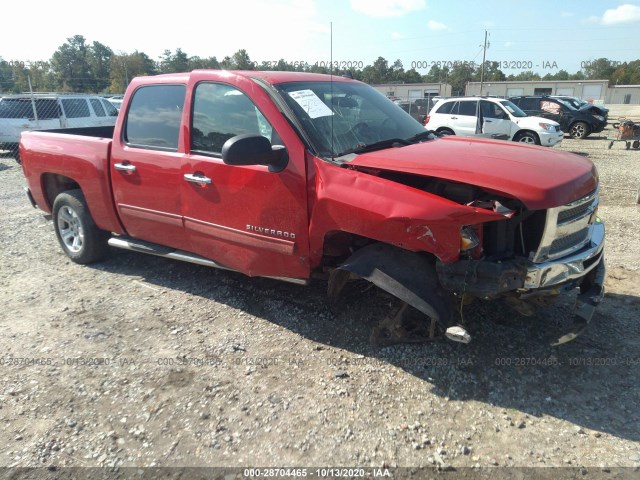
pixel 491 117
pixel 25 112
pixel 578 123
pixel 585 106
pixel 300 176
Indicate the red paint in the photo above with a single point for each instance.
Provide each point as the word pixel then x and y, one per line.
pixel 274 224
pixel 538 177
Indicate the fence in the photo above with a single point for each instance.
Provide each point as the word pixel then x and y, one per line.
pixel 418 108
pixel 49 111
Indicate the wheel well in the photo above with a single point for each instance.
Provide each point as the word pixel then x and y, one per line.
pixel 520 132
pixel 339 245
pixel 53 184
pixel 442 129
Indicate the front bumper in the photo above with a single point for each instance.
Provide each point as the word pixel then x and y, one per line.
pixel 584 268
pixel 577 265
pixel 549 139
pixel 486 279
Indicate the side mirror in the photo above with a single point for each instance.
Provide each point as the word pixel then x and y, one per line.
pixel 250 149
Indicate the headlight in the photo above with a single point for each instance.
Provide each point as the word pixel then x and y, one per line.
pixel 599 117
pixel 468 239
pixel 548 126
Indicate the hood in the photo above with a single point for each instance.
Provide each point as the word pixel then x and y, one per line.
pixel 539 177
pixel 594 110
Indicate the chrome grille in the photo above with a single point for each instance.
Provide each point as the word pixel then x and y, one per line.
pixel 563 243
pixel 568 228
pixel 574 213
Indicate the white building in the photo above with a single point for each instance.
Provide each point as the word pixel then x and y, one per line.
pixel 590 90
pixel 624 94
pixel 413 91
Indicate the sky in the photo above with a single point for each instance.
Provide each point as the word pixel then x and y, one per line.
pixel 542 35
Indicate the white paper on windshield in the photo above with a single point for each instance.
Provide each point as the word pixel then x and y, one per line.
pixel 310 103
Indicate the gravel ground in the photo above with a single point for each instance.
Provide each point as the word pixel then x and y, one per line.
pixel 139 361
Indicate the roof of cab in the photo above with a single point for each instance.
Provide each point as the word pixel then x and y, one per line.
pixel 272 77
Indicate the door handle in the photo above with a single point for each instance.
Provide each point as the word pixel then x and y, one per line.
pixel 199 179
pixel 488 121
pixel 125 167
pixel 454 118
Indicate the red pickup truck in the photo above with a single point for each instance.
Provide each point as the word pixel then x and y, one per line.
pixel 295 175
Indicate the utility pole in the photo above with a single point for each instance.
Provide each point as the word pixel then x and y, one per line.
pixel 484 54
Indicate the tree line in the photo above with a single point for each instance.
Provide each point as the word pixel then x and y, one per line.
pixel 81 67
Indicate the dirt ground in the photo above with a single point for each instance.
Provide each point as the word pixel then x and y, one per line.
pixel 139 361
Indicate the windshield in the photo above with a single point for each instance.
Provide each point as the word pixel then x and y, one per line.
pixel 345 117
pixel 574 102
pixel 512 108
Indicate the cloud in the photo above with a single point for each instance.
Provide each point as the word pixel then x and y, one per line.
pixel 509 44
pixel 433 25
pixel 387 8
pixel 623 14
pixel 626 13
pixel 567 14
pixel 397 36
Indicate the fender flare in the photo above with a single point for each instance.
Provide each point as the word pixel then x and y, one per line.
pixel 406 275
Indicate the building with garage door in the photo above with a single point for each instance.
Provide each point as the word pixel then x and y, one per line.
pixel 594 91
pixel 409 92
pixel 624 94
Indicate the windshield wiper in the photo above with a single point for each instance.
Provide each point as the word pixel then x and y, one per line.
pixel 427 134
pixel 391 142
pixel 381 145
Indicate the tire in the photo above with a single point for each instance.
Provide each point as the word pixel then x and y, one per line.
pixel 81 240
pixel 527 137
pixel 579 130
pixel 445 131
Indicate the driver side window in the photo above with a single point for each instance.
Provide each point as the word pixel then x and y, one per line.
pixel 221 112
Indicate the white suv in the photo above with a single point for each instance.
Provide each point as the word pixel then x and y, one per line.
pixel 491 118
pixel 50 111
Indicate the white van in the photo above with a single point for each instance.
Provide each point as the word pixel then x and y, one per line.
pixel 50 111
pixel 491 118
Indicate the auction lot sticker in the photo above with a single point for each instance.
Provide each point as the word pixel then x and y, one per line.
pixel 311 104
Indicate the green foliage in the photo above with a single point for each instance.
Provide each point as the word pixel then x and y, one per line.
pixel 94 68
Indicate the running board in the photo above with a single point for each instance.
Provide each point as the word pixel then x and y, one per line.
pixel 141 246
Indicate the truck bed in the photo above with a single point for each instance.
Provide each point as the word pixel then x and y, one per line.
pixel 50 158
pixel 99 132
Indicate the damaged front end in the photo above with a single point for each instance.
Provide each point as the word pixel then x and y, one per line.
pixel 550 251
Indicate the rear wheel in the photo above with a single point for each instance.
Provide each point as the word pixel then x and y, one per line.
pixel 527 137
pixel 579 130
pixel 80 238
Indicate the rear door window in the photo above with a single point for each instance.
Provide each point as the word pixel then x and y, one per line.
pixel 154 117
pixel 468 107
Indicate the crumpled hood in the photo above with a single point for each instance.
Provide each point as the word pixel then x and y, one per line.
pixel 594 110
pixel 539 177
